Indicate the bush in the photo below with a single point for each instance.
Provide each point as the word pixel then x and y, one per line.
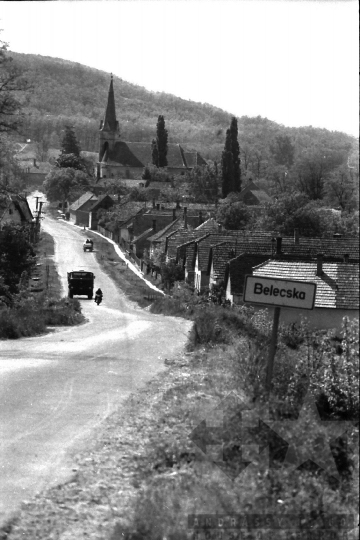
pixel 30 315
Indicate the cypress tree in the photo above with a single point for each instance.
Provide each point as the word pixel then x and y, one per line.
pixel 161 141
pixel 69 144
pixel 227 172
pixel 235 150
pixel 230 161
pixel 155 153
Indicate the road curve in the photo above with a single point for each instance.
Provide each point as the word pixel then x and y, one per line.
pixel 55 389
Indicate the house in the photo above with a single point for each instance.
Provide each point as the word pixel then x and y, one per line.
pixel 79 210
pixel 83 212
pixel 252 195
pixel 337 290
pixel 120 159
pixel 104 202
pixel 253 242
pixel 140 243
pixel 236 270
pixel 15 209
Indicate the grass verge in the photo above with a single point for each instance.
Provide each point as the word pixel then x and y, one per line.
pixel 132 286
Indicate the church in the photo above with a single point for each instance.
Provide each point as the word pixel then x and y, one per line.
pixel 126 160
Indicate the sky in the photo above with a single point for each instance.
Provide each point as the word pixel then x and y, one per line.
pixel 294 62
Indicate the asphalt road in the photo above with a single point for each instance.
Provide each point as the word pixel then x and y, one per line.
pixel 55 389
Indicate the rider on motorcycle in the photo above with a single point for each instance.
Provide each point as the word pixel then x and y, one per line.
pixel 98 295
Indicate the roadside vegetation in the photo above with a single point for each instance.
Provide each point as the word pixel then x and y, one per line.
pixel 149 468
pixel 29 287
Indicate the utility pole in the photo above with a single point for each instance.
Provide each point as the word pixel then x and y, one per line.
pixel 37 199
pixel 38 217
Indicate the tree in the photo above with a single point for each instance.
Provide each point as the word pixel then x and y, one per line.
pixel 155 153
pixel 230 161
pixel 12 85
pixel 16 255
pixel 313 167
pixel 146 175
pixel 233 215
pixel 204 183
pixel 65 184
pixel 283 151
pixel 160 145
pixel 296 211
pixel 69 143
pixel 341 188
pixel 42 149
pixel 11 178
pixel 171 272
pixel 66 161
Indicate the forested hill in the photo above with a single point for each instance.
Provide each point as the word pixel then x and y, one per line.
pixel 67 92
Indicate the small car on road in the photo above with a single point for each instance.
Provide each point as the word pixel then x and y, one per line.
pixel 88 245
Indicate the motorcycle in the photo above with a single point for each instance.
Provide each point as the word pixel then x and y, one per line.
pixel 98 299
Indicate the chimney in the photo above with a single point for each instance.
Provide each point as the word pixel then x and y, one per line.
pixel 346 258
pixel 154 225
pixel 278 245
pixel 174 214
pixel 158 206
pixel 34 162
pixel 319 264
pixel 153 203
pixel 200 217
pixel 185 217
pixel 296 237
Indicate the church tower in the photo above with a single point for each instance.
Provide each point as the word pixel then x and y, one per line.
pixel 109 132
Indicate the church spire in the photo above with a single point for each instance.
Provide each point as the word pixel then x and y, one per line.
pixel 110 123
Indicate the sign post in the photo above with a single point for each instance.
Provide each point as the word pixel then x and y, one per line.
pixel 278 293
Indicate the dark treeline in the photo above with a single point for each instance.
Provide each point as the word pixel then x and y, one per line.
pixel 67 93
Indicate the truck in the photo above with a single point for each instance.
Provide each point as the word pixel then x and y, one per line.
pixel 88 245
pixel 81 282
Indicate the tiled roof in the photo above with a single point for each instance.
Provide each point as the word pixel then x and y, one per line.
pixel 181 236
pixel 192 159
pixel 138 154
pixel 219 255
pixel 82 200
pixel 143 235
pixel 128 210
pixel 110 199
pixel 330 247
pixel 23 207
pixel 251 244
pixel 337 287
pixel 239 267
pixel 208 225
pixel 161 235
pixel 20 204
